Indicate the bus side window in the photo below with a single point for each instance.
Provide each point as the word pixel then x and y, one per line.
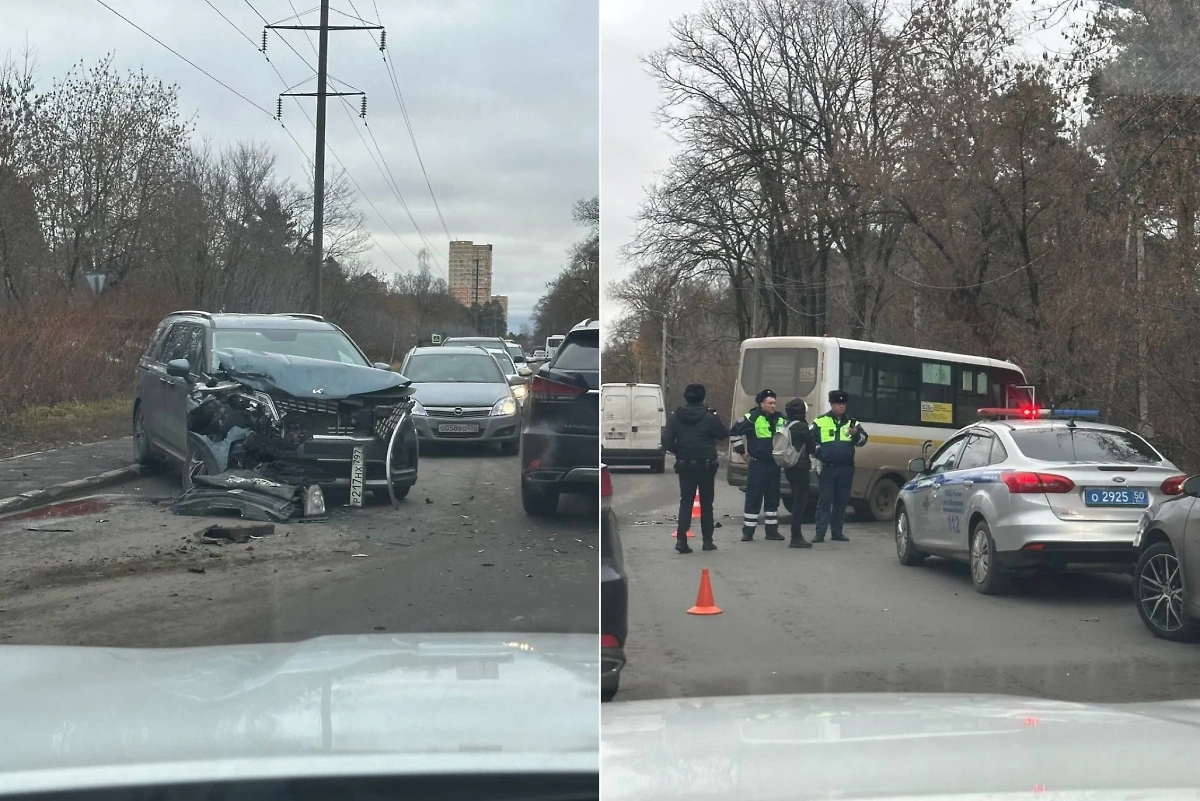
pixel 858 380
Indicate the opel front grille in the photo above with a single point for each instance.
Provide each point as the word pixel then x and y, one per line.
pixel 458 411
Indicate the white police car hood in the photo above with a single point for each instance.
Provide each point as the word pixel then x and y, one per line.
pixel 342 705
pixel 755 748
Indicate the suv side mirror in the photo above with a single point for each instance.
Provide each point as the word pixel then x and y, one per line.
pixel 382 366
pixel 515 380
pixel 1191 487
pixel 179 368
pixel 524 371
pixel 917 466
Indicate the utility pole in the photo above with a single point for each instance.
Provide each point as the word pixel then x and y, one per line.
pixel 321 94
pixel 1143 346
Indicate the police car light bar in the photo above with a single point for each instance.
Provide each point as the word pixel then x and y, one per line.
pixel 1034 413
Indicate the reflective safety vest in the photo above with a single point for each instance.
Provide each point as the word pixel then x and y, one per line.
pixel 829 431
pixel 762 426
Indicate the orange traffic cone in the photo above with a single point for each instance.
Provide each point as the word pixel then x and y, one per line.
pixel 695 517
pixel 704 598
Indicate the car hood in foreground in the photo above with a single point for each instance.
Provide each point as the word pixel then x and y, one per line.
pixel 452 395
pixel 76 716
pixel 301 377
pixel 754 748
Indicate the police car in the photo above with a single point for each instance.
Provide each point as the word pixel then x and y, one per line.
pixel 1029 488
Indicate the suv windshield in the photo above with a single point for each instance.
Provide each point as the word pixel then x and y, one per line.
pixel 453 368
pixel 579 353
pixel 1085 445
pixel 328 345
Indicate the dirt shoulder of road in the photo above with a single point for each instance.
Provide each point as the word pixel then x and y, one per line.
pixel 41 428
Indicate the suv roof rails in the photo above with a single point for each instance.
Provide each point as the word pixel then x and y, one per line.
pixel 302 315
pixel 207 315
pixel 588 323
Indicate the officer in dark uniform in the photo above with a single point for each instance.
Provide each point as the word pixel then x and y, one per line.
pixel 762 483
pixel 837 436
pixel 692 435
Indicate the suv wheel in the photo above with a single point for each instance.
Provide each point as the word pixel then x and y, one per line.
pixel 1161 596
pixel 538 502
pixel 143 454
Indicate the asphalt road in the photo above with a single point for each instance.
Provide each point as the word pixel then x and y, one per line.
pixel 847 617
pixel 458 555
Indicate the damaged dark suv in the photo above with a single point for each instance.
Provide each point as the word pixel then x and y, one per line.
pixel 288 396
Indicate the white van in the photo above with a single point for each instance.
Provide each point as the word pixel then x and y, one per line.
pixel 553 343
pixel 632 418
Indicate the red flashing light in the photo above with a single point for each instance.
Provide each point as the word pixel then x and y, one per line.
pixel 606 488
pixel 1173 485
pixel 1030 412
pixel 1020 481
pixel 547 390
pixel 609 641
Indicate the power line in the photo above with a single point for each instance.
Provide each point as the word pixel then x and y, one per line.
pixel 385 53
pixel 185 58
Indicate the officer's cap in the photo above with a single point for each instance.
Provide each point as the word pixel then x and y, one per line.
pixel 838 396
pixel 762 396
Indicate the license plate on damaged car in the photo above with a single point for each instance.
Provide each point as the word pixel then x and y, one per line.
pixel 356 478
pixel 1110 497
pixel 458 428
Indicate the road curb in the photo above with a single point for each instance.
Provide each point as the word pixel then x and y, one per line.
pixel 57 492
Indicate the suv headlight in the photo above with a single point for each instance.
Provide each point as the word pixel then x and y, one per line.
pixel 520 391
pixel 1143 524
pixel 504 407
pixel 418 409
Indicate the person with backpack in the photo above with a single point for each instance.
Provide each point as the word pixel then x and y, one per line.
pixel 758 429
pixel 793 448
pixel 837 437
pixel 692 435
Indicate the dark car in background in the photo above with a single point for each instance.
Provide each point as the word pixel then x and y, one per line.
pixel 614 594
pixel 287 393
pixel 463 396
pixel 1166 579
pixel 560 442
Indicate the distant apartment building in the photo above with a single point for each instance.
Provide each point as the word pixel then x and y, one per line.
pixel 470 272
pixel 503 301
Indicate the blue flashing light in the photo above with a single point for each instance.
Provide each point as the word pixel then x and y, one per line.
pixel 1077 414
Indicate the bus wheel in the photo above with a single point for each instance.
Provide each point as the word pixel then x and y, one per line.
pixel 880 506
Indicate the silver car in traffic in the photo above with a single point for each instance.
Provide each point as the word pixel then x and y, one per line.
pixel 1011 494
pixel 1166 580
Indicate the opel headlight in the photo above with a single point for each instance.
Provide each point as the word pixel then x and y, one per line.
pixel 1143 524
pixel 520 391
pixel 504 407
pixel 418 409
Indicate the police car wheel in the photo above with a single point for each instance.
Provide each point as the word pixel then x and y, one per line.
pixel 908 555
pixel 986 575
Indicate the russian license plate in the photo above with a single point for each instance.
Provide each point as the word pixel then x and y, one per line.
pixel 614 435
pixel 458 428
pixel 357 472
pixel 1093 496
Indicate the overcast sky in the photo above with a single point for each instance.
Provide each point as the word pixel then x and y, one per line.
pixel 502 95
pixel 633 148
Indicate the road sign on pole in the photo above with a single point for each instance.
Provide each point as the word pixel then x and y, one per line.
pixel 436 339
pixel 96 282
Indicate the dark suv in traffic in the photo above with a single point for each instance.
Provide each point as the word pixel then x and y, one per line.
pixel 291 394
pixel 560 441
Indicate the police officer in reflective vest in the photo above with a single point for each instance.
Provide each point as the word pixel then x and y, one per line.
pixel 762 484
pixel 837 436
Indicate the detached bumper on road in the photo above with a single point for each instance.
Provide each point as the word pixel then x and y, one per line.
pixel 506 428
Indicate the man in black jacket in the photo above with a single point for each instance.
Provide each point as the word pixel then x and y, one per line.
pixel 692 435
